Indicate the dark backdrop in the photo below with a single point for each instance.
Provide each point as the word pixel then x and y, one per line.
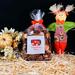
pixel 15 13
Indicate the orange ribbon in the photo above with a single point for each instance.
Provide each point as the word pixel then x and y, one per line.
pixel 40 21
pixel 60 22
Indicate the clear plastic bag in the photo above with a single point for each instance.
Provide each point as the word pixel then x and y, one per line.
pixel 37 29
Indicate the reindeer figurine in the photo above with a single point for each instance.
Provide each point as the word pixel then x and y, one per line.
pixel 60 26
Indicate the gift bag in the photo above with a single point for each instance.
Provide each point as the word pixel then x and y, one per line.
pixel 36 39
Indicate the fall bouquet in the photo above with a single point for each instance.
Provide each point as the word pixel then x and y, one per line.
pixel 9 40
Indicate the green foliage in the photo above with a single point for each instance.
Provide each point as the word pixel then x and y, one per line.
pixel 67 26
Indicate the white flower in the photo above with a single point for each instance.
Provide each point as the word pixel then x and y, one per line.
pixel 19 36
pixel 6 30
pixel 8 51
pixel 12 30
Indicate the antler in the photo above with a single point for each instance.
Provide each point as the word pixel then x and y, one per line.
pixel 55 8
pixel 69 8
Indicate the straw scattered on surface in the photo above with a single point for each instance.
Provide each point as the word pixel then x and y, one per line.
pixel 58 65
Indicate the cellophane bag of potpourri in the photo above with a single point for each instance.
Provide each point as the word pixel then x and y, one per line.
pixel 36 39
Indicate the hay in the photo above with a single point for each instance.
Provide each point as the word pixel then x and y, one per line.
pixel 59 65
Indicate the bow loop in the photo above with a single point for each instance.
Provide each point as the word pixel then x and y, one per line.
pixel 34 21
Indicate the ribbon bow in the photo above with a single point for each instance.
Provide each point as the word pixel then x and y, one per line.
pixel 40 21
pixel 60 22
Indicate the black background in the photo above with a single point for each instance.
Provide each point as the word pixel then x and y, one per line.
pixel 15 14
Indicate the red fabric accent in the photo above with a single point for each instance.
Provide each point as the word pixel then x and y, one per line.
pixel 40 22
pixel 60 47
pixel 60 22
